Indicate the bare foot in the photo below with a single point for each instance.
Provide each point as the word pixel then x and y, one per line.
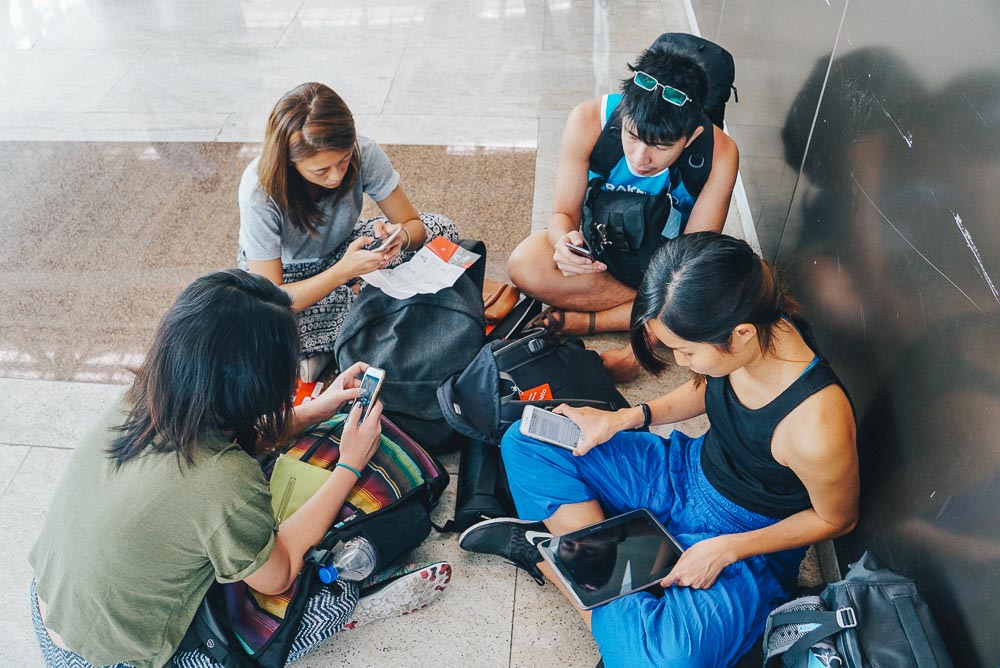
pixel 621 364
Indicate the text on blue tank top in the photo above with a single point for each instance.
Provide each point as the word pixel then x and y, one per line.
pixel 622 179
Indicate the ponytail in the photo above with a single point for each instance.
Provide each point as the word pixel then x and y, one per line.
pixel 700 286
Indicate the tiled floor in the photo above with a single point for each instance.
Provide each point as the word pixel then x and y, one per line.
pixel 474 92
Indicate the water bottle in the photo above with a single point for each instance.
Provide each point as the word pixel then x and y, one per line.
pixel 353 561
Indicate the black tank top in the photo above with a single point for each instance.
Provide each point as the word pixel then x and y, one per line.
pixel 736 455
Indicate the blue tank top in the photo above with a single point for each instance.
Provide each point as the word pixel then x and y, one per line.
pixel 622 178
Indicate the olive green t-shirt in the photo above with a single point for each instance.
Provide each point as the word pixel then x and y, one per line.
pixel 125 556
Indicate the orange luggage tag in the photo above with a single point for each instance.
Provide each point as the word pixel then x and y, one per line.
pixel 541 393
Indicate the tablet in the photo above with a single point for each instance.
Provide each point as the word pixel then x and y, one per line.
pixel 612 558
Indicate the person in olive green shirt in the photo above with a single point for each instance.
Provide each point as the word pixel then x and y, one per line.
pixel 163 497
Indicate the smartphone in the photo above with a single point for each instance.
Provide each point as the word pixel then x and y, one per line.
pixel 382 244
pixel 549 427
pixel 371 382
pixel 581 250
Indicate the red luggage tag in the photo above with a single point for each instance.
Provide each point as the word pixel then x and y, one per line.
pixel 306 392
pixel 541 393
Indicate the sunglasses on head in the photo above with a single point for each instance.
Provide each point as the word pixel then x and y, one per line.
pixel 678 98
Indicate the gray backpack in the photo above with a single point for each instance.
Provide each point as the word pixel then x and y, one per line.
pixel 873 618
pixel 419 342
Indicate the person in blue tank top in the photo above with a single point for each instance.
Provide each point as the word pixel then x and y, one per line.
pixel 660 116
pixel 776 471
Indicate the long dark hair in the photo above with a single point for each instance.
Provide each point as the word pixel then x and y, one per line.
pixel 700 286
pixel 223 361
pixel 308 119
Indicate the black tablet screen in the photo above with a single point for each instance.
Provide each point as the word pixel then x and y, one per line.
pixel 614 557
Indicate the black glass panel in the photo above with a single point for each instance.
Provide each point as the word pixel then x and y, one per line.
pixel 871 153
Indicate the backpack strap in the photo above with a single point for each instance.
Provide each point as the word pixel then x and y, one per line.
pixel 607 149
pixel 211 633
pixel 695 163
pixel 829 623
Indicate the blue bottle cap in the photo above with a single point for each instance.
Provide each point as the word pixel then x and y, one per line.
pixel 328 574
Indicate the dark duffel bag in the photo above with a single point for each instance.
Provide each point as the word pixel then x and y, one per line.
pixel 485 399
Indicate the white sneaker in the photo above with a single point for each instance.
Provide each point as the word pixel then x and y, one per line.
pixel 408 593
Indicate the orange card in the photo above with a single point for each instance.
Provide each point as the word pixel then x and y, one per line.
pixel 443 248
pixel 541 393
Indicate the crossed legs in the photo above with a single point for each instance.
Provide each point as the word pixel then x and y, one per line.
pixel 532 269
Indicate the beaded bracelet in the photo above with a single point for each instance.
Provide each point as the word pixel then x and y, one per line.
pixel 349 468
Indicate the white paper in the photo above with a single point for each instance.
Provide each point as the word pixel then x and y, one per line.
pixel 424 273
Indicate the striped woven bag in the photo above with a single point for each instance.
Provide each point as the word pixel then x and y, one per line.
pixel 402 480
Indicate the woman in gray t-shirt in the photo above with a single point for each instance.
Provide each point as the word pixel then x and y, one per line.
pixel 300 207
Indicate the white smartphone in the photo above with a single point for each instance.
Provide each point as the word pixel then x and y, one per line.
pixel 381 245
pixel 371 382
pixel 550 428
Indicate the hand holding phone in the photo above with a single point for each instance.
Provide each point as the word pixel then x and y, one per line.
pixel 379 245
pixel 550 428
pixel 371 385
pixel 581 250
pixel 574 257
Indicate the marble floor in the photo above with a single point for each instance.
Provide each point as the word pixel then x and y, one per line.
pixel 124 128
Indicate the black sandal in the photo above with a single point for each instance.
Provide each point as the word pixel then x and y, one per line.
pixel 553 320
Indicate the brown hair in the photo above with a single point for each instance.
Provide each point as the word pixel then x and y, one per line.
pixel 306 120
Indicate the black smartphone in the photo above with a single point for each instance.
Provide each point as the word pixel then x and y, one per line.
pixel 582 250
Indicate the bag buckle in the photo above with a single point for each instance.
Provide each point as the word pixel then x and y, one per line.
pixel 846 618
pixel 317 556
pixel 602 241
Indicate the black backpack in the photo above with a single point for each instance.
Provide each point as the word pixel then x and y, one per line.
pixel 873 618
pixel 625 229
pixel 419 342
pixel 482 401
pixel 401 485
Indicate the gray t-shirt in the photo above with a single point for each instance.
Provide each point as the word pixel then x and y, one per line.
pixel 265 233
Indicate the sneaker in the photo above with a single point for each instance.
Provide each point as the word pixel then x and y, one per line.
pixel 312 367
pixel 510 538
pixel 408 593
pixel 377 581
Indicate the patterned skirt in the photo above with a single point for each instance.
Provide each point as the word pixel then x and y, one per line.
pixel 326 613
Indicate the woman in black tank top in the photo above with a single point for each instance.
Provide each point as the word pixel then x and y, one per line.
pixel 777 470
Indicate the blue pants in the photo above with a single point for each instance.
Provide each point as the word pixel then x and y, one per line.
pixel 686 627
